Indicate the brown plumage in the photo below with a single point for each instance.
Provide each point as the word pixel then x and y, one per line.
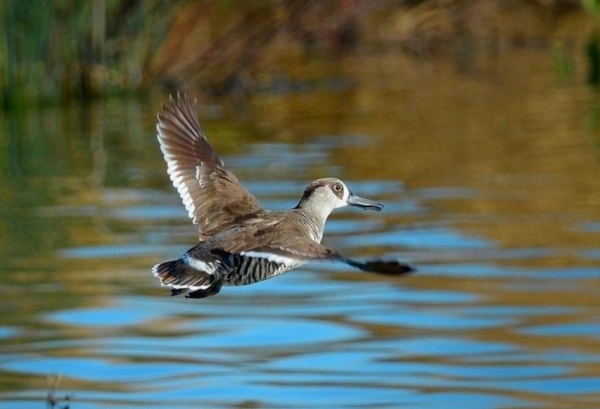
pixel 240 242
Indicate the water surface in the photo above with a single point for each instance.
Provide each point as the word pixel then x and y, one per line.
pixel 492 188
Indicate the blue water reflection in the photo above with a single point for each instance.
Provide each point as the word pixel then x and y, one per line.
pixel 502 313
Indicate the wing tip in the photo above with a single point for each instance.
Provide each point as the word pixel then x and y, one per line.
pixel 177 106
pixel 385 267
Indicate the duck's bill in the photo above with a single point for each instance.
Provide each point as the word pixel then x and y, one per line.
pixel 367 204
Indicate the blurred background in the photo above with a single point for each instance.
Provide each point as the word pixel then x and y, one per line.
pixel 476 123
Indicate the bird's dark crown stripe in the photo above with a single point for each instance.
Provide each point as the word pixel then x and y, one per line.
pixel 311 189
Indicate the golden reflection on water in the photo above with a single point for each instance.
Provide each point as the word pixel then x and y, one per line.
pixel 517 135
pixel 521 139
pixel 513 135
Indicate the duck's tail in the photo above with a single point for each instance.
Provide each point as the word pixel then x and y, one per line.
pixel 182 277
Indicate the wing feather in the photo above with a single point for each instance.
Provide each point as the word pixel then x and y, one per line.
pixel 206 187
pixel 303 249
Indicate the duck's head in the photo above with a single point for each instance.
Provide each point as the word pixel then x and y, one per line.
pixel 331 193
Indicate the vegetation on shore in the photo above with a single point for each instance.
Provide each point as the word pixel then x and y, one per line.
pixel 81 50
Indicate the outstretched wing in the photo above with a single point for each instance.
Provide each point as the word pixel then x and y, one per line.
pixel 305 250
pixel 206 187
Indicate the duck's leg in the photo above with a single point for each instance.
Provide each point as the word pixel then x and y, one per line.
pixel 214 289
pixel 177 291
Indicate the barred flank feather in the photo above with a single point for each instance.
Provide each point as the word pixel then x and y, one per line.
pixel 243 270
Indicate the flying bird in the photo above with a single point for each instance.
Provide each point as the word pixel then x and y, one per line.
pixel 241 242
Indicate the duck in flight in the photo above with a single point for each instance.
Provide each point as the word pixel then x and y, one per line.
pixel 241 242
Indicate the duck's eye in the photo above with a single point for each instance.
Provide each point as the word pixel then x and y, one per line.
pixel 337 187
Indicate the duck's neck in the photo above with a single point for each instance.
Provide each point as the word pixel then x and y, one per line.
pixel 313 218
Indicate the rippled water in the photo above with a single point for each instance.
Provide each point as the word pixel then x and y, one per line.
pixel 496 199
